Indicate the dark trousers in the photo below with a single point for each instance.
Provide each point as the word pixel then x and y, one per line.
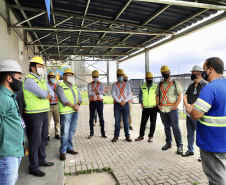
pixel 124 110
pixel 146 113
pixel 170 119
pixel 93 106
pixel 37 134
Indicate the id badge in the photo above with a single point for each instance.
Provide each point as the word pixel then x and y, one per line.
pixel 22 123
pixel 195 92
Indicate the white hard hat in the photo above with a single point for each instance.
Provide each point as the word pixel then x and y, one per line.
pixel 10 66
pixel 197 68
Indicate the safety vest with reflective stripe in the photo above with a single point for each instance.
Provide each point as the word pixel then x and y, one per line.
pixel 211 128
pixel 95 88
pixel 69 95
pixel 121 91
pixel 33 103
pixel 56 98
pixel 149 97
pixel 165 97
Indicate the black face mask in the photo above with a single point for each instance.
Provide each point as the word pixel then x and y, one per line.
pixel 194 76
pixel 125 80
pixel 149 81
pixel 165 76
pixel 15 85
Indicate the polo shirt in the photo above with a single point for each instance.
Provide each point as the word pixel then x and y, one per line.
pixel 211 128
pixel 191 95
pixel 11 130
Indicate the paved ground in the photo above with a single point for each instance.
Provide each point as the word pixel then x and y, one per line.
pixel 133 163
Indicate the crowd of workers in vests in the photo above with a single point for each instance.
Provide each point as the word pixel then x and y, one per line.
pixel 205 102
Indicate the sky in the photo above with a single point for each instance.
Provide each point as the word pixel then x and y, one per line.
pixel 180 55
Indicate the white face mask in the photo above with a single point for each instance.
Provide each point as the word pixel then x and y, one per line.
pixel 52 80
pixel 95 79
pixel 40 71
pixel 70 79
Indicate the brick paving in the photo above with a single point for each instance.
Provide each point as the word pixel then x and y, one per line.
pixel 136 163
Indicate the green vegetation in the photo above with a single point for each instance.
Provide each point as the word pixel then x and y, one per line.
pixel 195 183
pixel 89 171
pixel 182 115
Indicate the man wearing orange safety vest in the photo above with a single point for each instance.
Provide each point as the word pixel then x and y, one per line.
pixel 54 109
pixel 121 93
pixel 95 92
pixel 168 97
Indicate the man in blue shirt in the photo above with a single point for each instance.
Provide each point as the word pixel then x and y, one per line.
pixel 11 126
pixel 210 110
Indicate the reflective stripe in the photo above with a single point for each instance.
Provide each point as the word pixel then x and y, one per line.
pixel 165 97
pixel 37 110
pixel 213 121
pixel 98 97
pixel 148 106
pixel 66 112
pixel 201 104
pixel 121 90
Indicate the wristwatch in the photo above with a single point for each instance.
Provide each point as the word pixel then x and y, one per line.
pixel 78 104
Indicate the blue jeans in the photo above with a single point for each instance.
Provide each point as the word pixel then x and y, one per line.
pixel 118 110
pixel 9 167
pixel 68 124
pixel 191 127
pixel 93 107
pixel 170 119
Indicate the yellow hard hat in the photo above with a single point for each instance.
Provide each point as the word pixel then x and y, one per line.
pixel 120 72
pixel 37 60
pixel 68 71
pixel 51 73
pixel 95 73
pixel 149 74
pixel 164 69
pixel 125 76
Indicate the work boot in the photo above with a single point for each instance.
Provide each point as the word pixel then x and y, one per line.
pixel 130 127
pixel 72 152
pixel 128 139
pixel 166 146
pixel 57 136
pixel 150 139
pixel 139 138
pixel 180 150
pixel 63 156
pixel 103 135
pixel 115 139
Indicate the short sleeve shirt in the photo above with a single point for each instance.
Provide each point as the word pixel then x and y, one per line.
pixel 192 93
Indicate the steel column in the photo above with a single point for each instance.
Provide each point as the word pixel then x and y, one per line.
pixel 108 81
pixel 146 61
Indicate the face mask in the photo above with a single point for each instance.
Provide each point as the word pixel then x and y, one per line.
pixel 120 79
pixel 52 80
pixel 205 75
pixel 194 76
pixel 125 80
pixel 149 81
pixel 95 79
pixel 70 79
pixel 40 71
pixel 15 85
pixel 165 76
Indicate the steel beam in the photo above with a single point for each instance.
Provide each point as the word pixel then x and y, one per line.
pixel 108 79
pixel 83 46
pixel 28 19
pixel 146 62
pixel 90 30
pixel 186 4
pixel 198 27
pixel 134 25
pixel 88 55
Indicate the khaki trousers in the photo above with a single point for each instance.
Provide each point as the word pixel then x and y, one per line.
pixel 54 111
pixel 130 116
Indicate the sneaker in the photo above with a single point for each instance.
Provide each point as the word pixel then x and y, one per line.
pixel 166 146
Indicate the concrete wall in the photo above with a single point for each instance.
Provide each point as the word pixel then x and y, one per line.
pixel 11 45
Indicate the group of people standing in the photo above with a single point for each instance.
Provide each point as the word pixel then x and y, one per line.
pixel 203 101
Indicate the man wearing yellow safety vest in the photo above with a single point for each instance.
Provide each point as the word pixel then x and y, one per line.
pixel 69 99
pixel 54 109
pixel 36 95
pixel 148 104
pixel 210 110
pixel 95 92
pixel 121 93
pixel 168 97
pixel 125 78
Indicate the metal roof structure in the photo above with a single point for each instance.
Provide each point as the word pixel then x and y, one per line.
pixel 109 30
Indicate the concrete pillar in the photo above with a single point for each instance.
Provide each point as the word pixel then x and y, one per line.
pixel 108 81
pixel 117 66
pixel 146 61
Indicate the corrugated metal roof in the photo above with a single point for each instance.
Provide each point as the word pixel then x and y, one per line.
pixel 112 29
